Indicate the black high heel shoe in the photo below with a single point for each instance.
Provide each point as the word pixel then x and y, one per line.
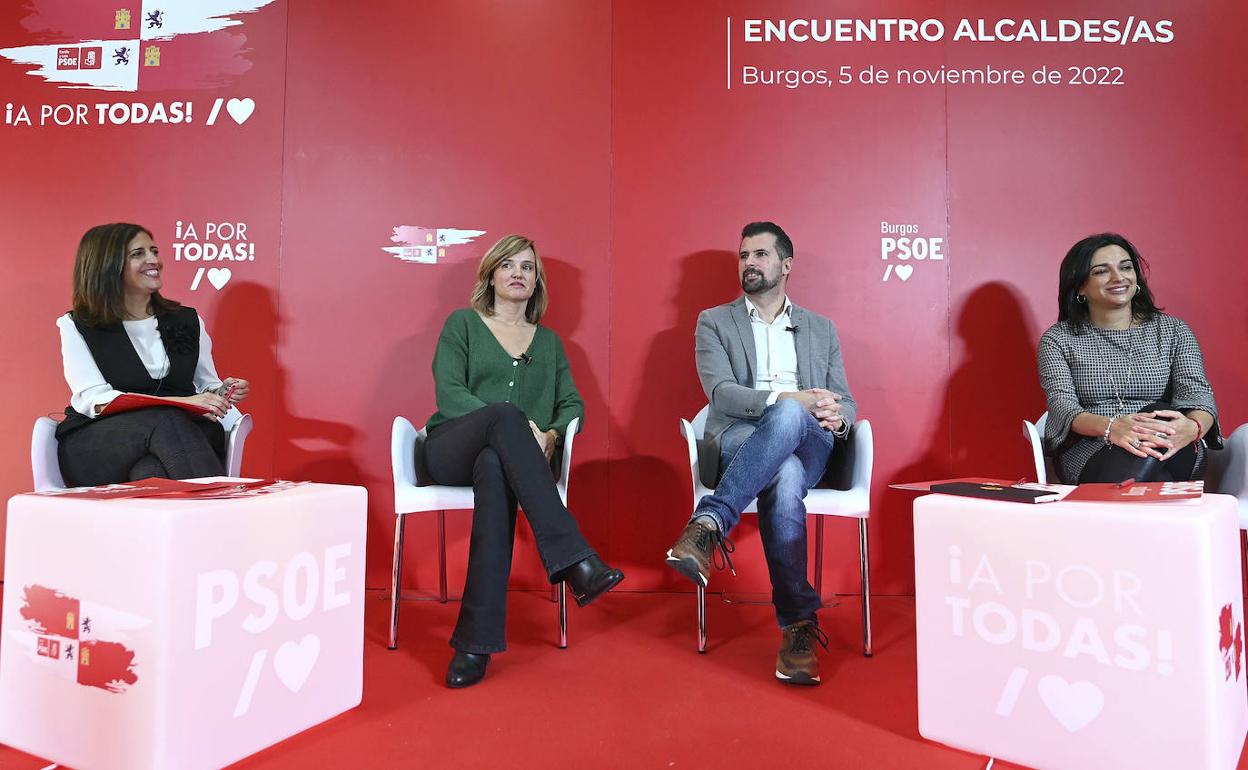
pixel 466 669
pixel 589 578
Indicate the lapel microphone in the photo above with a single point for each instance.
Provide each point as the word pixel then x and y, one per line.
pixel 792 328
pixel 526 358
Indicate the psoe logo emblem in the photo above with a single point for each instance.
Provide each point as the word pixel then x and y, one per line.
pixel 904 243
pixel 308 581
pixel 67 58
pixel 427 244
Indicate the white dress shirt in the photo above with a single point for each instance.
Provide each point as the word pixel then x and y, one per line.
pixel 776 351
pixel 88 385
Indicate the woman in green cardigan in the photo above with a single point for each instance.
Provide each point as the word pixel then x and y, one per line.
pixel 505 397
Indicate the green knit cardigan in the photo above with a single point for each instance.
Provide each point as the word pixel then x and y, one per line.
pixel 471 369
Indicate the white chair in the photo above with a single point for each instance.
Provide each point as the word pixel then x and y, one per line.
pixel 46 468
pixel 44 464
pixel 1227 474
pixel 854 503
pixel 1034 433
pixel 411 497
pixel 234 441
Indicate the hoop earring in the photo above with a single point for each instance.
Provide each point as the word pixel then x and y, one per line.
pixel 1081 299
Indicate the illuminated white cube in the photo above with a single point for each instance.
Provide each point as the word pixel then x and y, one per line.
pixel 1082 635
pixel 182 634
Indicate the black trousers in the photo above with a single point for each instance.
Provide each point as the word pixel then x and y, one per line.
pixel 161 441
pixel 493 449
pixel 1113 464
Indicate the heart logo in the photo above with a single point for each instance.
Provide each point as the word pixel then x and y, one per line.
pixel 1073 704
pixel 219 276
pixel 903 271
pixel 293 662
pixel 240 109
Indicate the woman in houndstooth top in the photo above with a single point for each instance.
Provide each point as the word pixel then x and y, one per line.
pixel 1125 383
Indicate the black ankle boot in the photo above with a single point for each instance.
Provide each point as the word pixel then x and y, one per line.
pixel 589 578
pixel 466 669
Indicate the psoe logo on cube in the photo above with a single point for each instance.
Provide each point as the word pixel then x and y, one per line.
pixel 254 600
pixel 67 58
pixel 427 245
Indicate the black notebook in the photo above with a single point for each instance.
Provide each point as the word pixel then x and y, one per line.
pixel 998 492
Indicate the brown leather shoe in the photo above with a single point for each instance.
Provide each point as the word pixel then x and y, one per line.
pixel 694 550
pixel 796 663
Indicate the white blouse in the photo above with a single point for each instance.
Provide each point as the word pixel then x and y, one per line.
pixel 88 386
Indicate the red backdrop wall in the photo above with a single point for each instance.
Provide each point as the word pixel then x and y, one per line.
pixel 606 131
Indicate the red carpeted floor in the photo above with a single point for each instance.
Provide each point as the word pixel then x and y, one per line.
pixel 629 692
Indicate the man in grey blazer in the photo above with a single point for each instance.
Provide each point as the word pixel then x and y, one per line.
pixel 779 401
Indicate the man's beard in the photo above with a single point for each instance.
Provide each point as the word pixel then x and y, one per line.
pixel 757 284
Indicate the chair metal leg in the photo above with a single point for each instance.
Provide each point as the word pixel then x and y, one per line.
pixel 701 620
pixel 819 558
pixel 442 556
pixel 864 564
pixel 396 572
pixel 561 589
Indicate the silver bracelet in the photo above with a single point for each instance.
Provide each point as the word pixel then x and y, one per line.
pixel 1108 426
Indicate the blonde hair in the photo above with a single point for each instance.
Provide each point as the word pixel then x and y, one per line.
pixel 483 293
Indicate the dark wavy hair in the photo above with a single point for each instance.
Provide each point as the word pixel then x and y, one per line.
pixel 1078 264
pixel 99 293
pixel 784 245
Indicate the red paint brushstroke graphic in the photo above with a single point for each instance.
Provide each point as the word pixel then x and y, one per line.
pixel 211 60
pixel 50 612
pixel 69 21
pixel 192 45
pixel 1239 648
pixel 56 621
pixel 1230 642
pixel 107 665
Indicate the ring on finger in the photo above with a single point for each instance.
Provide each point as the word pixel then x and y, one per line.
pixel 1135 442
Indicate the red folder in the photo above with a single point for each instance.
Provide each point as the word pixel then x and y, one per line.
pixel 127 401
pixel 240 490
pixel 152 487
pixel 167 489
pixel 1143 492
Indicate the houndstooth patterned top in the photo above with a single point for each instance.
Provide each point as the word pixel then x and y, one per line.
pixel 1084 368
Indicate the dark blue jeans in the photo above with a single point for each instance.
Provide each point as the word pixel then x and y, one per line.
pixel 777 459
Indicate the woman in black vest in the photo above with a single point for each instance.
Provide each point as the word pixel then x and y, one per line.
pixel 123 337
